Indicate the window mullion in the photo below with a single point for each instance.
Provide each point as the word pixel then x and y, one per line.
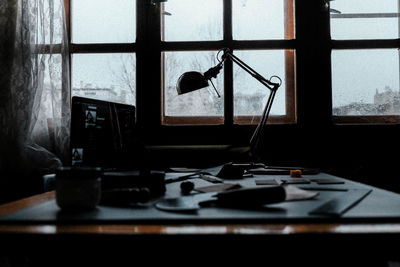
pixel 66 66
pixel 311 99
pixel 148 64
pixel 228 66
pixel 289 61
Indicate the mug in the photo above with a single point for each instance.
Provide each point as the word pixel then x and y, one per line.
pixel 78 188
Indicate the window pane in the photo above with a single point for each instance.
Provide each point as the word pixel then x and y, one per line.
pixel 203 102
pixel 192 20
pixel 250 96
pixel 103 21
pixel 365 82
pixel 258 19
pixel 108 77
pixel 364 19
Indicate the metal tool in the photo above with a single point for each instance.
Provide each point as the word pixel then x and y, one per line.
pixel 242 197
pixel 236 198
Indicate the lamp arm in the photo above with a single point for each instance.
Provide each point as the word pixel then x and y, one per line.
pixel 255 138
pixel 273 87
pixel 267 83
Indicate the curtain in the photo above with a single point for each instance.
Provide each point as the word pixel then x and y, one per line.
pixel 34 87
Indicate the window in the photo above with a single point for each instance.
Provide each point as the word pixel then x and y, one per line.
pixel 103 49
pixel 134 52
pixel 259 32
pixel 365 61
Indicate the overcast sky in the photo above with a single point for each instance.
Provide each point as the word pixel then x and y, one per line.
pixel 356 74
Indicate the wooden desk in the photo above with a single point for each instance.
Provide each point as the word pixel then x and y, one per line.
pixel 330 242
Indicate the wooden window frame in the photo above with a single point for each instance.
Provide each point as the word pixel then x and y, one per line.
pixel 288 44
pixel 92 48
pixel 153 115
pixel 367 44
pixel 228 118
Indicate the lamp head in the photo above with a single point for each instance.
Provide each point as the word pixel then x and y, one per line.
pixel 191 81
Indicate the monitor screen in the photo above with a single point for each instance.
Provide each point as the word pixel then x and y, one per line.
pixel 102 134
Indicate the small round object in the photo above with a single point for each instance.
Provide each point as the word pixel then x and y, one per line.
pixel 187 187
pixel 295 173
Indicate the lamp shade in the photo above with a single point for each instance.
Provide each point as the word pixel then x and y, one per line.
pixel 191 81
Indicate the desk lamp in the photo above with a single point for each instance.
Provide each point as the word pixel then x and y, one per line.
pixel 192 80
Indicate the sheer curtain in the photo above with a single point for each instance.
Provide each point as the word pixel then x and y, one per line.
pixel 34 86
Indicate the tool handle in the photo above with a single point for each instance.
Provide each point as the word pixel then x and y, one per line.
pixel 255 196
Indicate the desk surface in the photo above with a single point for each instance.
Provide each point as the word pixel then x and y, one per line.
pixel 202 229
pixel 369 235
pixel 185 229
pixel 383 203
pixel 379 205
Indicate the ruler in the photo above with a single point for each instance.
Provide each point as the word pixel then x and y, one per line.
pixel 342 203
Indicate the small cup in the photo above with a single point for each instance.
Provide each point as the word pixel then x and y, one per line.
pixel 78 188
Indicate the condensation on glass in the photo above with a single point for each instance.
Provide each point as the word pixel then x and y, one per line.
pixel 108 77
pixel 192 20
pixel 103 21
pixel 250 96
pixel 364 19
pixel 203 102
pixel 365 82
pixel 252 20
pixel 258 19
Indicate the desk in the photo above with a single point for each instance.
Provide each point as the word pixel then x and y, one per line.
pixel 331 242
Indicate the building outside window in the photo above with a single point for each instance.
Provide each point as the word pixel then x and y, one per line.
pixel 365 61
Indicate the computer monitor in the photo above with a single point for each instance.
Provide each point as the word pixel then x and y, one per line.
pixel 102 134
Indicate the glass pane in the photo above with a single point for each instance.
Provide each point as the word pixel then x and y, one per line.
pixel 203 102
pixel 192 20
pixel 365 82
pixel 364 19
pixel 103 21
pixel 108 77
pixel 250 96
pixel 259 19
